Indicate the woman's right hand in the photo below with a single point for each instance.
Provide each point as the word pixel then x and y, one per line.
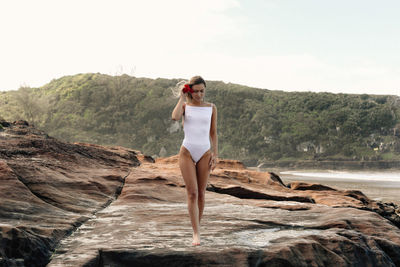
pixel 183 95
pixel 178 110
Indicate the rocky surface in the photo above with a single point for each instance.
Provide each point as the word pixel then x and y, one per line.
pixel 49 188
pixel 85 205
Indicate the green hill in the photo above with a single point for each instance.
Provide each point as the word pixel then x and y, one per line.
pixel 254 125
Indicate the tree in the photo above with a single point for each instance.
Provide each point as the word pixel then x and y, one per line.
pixel 29 103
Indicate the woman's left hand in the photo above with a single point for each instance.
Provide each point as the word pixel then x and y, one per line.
pixel 213 162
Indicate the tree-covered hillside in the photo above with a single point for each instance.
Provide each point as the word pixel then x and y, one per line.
pixel 254 125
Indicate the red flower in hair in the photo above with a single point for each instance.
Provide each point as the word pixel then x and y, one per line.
pixel 187 88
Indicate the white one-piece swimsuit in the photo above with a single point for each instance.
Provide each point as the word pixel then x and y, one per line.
pixel 197 123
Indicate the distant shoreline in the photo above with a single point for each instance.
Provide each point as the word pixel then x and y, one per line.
pixel 288 171
pixel 331 165
pixel 379 189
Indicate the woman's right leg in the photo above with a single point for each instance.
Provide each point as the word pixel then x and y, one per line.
pixel 188 170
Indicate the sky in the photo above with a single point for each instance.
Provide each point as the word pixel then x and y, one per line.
pixel 341 46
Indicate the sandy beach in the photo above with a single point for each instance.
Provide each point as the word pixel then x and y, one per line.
pixel 383 186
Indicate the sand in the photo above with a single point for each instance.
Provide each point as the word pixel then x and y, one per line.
pixel 386 191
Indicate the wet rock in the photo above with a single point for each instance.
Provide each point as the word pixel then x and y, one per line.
pixel 21 123
pixel 275 178
pixel 81 204
pixel 4 123
pixel 148 225
pixel 48 188
pixel 309 186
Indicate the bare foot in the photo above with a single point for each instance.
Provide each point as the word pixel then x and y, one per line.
pixel 196 240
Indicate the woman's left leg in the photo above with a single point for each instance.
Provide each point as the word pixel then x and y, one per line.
pixel 202 173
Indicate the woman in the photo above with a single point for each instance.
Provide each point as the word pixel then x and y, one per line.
pixel 196 157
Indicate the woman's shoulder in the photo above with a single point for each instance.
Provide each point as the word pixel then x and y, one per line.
pixel 210 104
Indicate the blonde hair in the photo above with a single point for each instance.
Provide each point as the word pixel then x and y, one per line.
pixel 176 90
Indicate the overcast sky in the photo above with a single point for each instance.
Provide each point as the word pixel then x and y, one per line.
pixel 337 46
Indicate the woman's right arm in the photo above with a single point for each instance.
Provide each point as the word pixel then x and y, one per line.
pixel 178 110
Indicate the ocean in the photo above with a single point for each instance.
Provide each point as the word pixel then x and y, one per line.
pixel 378 185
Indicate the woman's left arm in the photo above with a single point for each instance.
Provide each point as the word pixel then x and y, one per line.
pixel 214 138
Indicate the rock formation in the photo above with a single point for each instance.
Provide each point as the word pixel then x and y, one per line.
pixel 78 204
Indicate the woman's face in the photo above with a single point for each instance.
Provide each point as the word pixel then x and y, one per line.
pixel 198 92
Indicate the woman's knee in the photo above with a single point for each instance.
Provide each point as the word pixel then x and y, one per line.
pixel 192 195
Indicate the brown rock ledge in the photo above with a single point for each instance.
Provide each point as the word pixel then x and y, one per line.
pixel 49 188
pixel 86 205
